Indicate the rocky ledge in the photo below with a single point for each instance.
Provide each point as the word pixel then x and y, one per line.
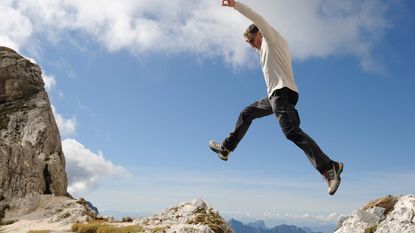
pixel 62 214
pixel 49 212
pixel 390 214
pixel 187 217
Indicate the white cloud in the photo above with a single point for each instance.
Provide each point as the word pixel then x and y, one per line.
pixel 15 28
pixel 66 127
pixel 320 28
pixel 314 28
pixel 85 168
pixel 50 81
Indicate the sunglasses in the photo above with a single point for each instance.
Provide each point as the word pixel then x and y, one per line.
pixel 252 40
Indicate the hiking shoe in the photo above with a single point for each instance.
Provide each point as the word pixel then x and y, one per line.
pixel 332 177
pixel 222 152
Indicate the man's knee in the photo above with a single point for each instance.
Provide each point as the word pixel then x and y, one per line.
pixel 244 117
pixel 290 123
pixel 247 115
pixel 293 133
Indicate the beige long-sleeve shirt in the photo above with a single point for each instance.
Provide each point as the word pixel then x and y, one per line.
pixel 275 56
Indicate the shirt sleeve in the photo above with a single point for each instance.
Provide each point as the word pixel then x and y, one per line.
pixel 264 27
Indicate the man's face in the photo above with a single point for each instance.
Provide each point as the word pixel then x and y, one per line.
pixel 254 40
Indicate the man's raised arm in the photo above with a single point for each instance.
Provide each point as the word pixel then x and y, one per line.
pixel 264 27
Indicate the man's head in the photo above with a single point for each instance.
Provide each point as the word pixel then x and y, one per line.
pixel 253 36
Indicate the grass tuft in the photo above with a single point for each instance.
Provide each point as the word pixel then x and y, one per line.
pixel 159 230
pixel 210 218
pixel 127 219
pixel 371 229
pixel 102 227
pixel 387 202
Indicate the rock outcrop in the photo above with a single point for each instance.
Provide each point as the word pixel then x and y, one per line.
pixel 187 217
pixel 54 213
pixel 60 213
pixel 390 214
pixel 33 180
pixel 31 158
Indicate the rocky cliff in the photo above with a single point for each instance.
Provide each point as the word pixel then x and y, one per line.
pixel 33 181
pixel 390 214
pixel 31 156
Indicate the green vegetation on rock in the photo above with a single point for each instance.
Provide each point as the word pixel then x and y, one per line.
pixel 103 227
pixel 371 229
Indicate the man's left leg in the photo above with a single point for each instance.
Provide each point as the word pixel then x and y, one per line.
pixel 283 102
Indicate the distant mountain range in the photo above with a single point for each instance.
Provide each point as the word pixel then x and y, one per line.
pixel 259 227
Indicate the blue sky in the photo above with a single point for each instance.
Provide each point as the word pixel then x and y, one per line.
pixel 139 89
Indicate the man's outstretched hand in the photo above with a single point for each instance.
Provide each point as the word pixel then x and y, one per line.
pixel 229 3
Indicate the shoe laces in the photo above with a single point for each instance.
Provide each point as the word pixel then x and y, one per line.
pixel 217 146
pixel 329 174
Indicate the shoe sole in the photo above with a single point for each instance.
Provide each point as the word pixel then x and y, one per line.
pixel 341 167
pixel 221 157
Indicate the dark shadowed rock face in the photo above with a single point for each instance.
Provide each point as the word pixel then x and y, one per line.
pixel 31 157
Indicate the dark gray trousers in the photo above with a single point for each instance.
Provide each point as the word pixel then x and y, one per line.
pixel 282 104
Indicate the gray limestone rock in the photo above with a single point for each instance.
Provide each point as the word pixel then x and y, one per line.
pixel 187 217
pixel 54 213
pixel 390 214
pixel 31 158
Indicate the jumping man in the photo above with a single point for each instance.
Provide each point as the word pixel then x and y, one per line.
pixel 282 97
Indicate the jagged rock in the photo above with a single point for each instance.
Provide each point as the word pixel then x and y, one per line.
pixel 188 217
pixel 89 204
pixel 31 158
pixel 51 212
pixel 58 214
pixel 390 214
pixel 33 180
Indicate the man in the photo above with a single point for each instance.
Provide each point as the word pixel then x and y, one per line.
pixel 275 59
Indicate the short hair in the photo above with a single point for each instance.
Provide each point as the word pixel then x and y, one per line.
pixel 252 29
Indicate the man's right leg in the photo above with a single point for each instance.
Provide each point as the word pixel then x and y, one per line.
pixel 256 110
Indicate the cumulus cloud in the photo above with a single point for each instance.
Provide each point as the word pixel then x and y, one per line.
pixel 66 127
pixel 85 168
pixel 320 28
pixel 15 28
pixel 314 28
pixel 49 80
